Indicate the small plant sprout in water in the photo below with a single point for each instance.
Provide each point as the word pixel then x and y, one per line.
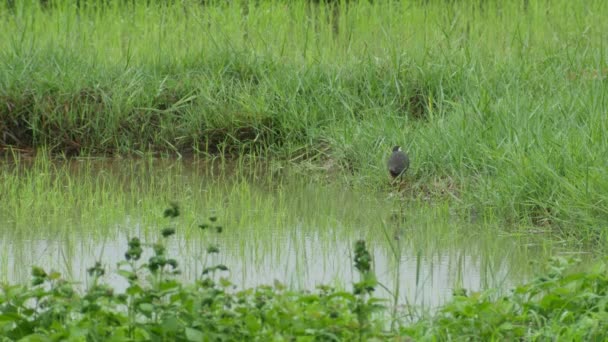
pixel 365 304
pixel 213 249
pixel 172 211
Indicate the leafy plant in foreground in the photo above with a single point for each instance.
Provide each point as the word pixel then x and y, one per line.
pixel 365 303
pixel 561 304
pixel 558 305
pixel 158 307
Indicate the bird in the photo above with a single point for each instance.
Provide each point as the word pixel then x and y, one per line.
pixel 398 162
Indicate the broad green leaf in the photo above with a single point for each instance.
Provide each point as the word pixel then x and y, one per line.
pixel 194 335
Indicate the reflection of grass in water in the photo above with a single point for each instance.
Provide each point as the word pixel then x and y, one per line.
pixel 153 299
pixel 287 228
pixel 429 248
pixel 96 200
pixel 43 194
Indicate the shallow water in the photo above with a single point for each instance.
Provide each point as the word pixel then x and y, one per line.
pixel 277 226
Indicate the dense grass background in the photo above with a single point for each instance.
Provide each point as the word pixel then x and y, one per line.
pixel 501 104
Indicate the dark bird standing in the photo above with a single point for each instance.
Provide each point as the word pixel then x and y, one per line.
pixel 398 162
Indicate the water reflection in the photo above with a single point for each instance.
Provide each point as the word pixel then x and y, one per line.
pixel 300 233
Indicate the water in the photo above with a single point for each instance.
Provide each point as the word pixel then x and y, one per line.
pixel 277 226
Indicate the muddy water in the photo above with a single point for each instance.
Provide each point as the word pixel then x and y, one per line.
pixel 277 226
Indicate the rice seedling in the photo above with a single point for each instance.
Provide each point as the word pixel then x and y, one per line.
pixel 65 214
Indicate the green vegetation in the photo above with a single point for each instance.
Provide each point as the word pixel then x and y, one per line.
pixel 500 104
pixel 558 305
pixel 155 306
pixel 77 210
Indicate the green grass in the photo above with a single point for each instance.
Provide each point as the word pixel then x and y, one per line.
pixel 501 105
pixel 60 214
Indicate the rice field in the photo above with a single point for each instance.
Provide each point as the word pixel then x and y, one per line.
pixel 502 104
pixel 67 214
pixel 277 117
